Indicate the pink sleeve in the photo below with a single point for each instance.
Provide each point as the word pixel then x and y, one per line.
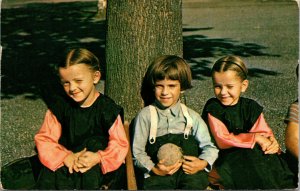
pixel 226 140
pixel 114 154
pixel 51 153
pixel 261 127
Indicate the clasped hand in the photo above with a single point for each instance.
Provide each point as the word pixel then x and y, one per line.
pixel 190 165
pixel 81 161
pixel 269 145
pixel 163 170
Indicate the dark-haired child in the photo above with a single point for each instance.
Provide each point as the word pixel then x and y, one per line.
pixel 167 120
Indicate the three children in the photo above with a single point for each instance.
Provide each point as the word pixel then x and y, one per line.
pixel 82 137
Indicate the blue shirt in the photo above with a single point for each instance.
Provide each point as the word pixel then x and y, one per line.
pixel 170 121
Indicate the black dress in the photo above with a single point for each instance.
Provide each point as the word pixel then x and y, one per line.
pixel 82 128
pixel 246 168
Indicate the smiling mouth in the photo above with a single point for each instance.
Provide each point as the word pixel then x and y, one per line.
pixel 74 93
pixel 225 97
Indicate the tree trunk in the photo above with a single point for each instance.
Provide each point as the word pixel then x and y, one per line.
pixel 137 32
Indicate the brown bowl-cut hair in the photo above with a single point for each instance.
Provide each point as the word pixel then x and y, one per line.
pixel 165 67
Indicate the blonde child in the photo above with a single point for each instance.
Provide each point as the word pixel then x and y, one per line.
pixel 249 156
pixel 82 136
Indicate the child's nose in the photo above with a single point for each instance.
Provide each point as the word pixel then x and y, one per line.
pixel 165 90
pixel 72 87
pixel 223 91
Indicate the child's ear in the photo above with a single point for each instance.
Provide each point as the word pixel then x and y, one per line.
pixel 97 77
pixel 245 84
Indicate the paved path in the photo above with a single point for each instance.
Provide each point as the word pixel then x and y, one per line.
pixel 191 3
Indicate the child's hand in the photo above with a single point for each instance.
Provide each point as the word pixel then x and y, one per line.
pixel 70 161
pixel 86 161
pixel 162 170
pixel 262 141
pixel 266 144
pixel 192 165
pixel 273 147
pixel 78 154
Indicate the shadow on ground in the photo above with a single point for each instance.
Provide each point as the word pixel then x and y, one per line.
pixel 34 37
pixel 199 46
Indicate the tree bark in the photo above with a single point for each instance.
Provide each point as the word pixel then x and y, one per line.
pixel 137 32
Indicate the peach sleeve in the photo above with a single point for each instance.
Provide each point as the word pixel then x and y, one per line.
pixel 226 140
pixel 262 127
pixel 50 152
pixel 114 154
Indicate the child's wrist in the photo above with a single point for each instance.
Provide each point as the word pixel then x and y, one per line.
pixel 203 164
pixel 257 137
pixel 99 156
pixel 156 170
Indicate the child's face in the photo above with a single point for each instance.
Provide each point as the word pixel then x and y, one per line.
pixel 228 87
pixel 167 92
pixel 79 83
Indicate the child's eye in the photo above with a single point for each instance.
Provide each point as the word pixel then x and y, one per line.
pixel 65 83
pixel 158 86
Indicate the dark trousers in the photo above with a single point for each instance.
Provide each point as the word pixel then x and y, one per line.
pixel 178 180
